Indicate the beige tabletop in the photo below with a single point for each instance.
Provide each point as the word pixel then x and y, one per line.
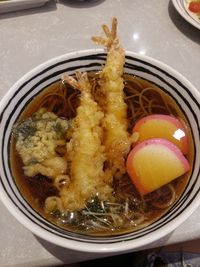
pixel 30 37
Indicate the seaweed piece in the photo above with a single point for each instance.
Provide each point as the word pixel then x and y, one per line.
pixel 97 206
pixel 26 128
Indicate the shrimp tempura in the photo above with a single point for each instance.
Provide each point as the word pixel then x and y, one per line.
pixel 117 141
pixel 85 152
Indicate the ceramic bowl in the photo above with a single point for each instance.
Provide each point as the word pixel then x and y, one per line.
pixel 13 103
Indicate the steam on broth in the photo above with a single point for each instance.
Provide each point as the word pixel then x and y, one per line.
pixel 128 210
pixel 75 158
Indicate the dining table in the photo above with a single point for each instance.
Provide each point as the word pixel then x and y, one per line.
pixel 32 35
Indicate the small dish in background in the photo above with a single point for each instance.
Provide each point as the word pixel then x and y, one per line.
pixel 14 5
pixel 182 8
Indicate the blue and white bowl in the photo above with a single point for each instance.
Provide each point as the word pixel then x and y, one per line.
pixel 11 106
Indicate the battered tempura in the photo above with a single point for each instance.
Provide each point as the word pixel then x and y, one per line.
pixel 117 141
pixel 85 151
pixel 99 140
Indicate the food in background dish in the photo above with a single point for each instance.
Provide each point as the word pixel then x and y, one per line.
pixel 193 7
pixel 70 148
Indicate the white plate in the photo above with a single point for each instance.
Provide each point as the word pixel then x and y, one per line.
pixel 14 5
pixel 181 7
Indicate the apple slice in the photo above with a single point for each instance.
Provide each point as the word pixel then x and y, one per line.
pixel 154 163
pixel 163 126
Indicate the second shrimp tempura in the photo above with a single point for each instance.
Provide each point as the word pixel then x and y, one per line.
pixel 115 123
pixel 85 151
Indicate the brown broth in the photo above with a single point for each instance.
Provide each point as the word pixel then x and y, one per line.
pixel 35 190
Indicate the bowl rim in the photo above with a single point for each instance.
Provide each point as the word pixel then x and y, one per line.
pixel 121 246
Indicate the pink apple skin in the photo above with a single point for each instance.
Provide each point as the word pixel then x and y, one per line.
pixel 170 119
pixel 155 142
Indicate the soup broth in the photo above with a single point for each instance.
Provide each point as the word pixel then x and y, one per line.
pixel 127 210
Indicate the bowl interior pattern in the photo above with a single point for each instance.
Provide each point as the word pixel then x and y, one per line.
pixel 31 84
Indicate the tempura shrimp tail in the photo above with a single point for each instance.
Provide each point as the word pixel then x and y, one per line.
pixel 85 151
pixel 117 141
pixel 116 55
pixel 80 82
pixel 111 35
